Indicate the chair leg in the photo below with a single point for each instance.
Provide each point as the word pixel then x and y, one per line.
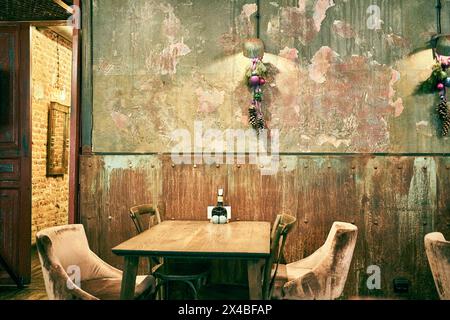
pixel 161 290
pixel 194 290
pixel 166 290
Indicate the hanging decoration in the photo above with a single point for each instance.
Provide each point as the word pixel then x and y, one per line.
pixel 255 76
pixel 59 89
pixel 255 79
pixel 439 80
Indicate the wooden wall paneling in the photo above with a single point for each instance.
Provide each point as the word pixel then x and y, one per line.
pixel 325 190
pixel 442 221
pixel 289 191
pixel 375 223
pixel 394 202
pixel 110 186
pixel 422 211
pixel 189 189
pixel 92 207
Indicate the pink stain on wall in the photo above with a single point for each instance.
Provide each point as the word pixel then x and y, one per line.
pixel 320 64
pixel 298 22
pixel 242 28
pixel 171 26
pixel 289 53
pixel 398 104
pixel 169 57
pixel 249 9
pixel 120 120
pixel 302 5
pixel 343 102
pixel 397 41
pixel 343 29
pixel 320 12
pixel 209 100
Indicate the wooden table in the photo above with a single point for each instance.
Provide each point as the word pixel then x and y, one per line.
pixel 199 239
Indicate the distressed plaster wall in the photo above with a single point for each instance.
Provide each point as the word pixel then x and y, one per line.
pixel 337 85
pixel 338 88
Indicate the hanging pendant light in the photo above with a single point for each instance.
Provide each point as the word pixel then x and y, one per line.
pixel 441 40
pixel 254 48
pixel 443 45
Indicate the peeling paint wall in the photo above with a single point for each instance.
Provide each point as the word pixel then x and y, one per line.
pixel 343 80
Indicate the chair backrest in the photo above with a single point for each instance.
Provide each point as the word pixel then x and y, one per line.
pixel 438 253
pixel 326 270
pixel 282 226
pixel 65 250
pixel 137 214
pixel 338 253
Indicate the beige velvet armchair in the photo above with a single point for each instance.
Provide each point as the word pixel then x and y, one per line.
pixel 65 250
pixel 322 275
pixel 438 253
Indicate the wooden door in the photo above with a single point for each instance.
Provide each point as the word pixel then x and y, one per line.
pixel 15 154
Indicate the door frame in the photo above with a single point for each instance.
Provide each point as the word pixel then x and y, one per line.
pixel 26 121
pixel 75 115
pixel 74 140
pixel 20 273
pixel 75 125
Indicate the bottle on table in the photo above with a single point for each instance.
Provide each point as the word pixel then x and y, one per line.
pixel 219 212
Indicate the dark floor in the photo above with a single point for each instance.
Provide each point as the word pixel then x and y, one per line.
pixel 35 291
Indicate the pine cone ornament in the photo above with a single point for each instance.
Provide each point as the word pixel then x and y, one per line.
pixel 442 108
pixel 261 125
pixel 446 127
pixel 444 115
pixel 253 117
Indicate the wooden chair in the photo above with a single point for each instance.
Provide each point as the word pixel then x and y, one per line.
pixel 194 275
pixel 438 253
pixel 146 212
pixel 73 272
pixel 322 275
pixel 283 224
pixel 281 228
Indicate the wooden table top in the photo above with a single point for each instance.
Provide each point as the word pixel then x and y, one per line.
pixel 240 239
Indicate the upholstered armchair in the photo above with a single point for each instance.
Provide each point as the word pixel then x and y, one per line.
pixel 65 250
pixel 322 275
pixel 438 253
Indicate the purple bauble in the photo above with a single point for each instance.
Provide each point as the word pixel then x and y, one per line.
pixel 254 80
pixel 440 86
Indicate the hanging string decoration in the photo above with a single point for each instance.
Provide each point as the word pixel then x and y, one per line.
pixel 255 79
pixel 439 81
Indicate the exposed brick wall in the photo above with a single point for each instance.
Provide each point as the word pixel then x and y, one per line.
pixel 49 194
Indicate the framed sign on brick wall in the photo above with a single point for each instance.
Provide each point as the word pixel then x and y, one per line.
pixel 58 139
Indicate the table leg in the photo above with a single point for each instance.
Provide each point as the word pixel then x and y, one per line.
pixel 255 279
pixel 129 278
